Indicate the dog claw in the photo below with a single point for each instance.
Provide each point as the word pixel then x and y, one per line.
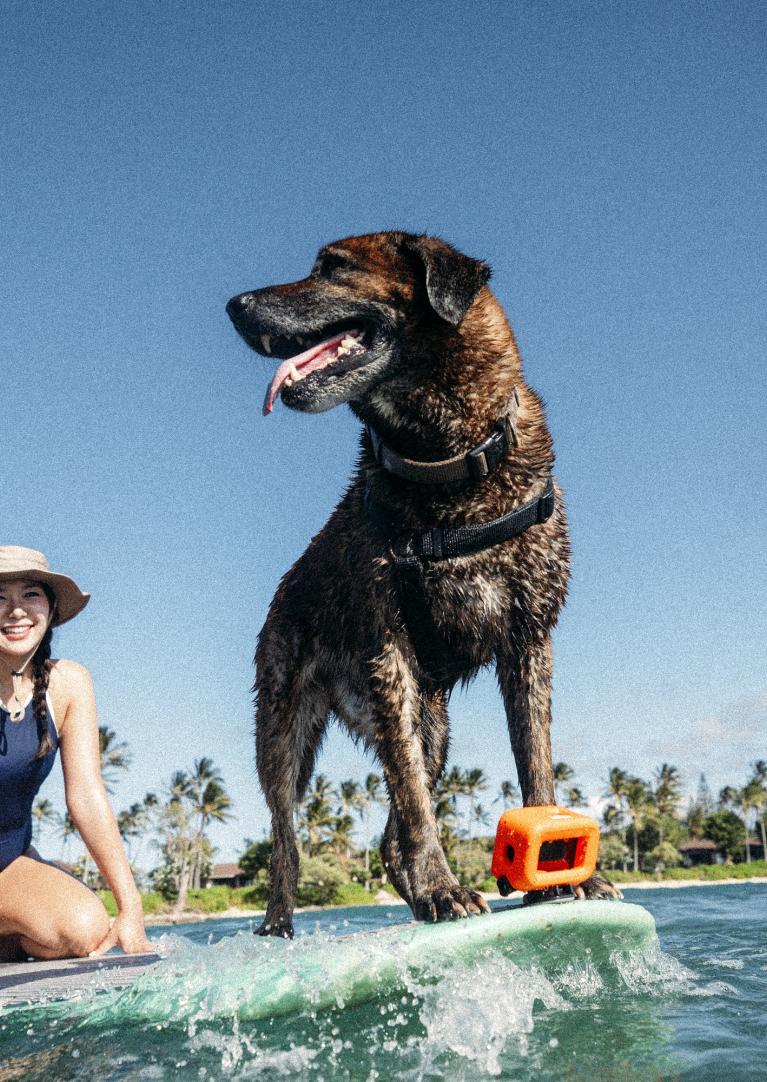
pixel 596 887
pixel 450 905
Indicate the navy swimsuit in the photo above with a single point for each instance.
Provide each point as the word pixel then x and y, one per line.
pixel 21 776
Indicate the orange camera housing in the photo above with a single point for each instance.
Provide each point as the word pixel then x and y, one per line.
pixel 546 846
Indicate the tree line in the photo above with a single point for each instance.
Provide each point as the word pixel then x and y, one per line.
pixel 643 822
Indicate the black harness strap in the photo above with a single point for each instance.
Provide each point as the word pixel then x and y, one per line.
pixel 410 551
pixel 444 543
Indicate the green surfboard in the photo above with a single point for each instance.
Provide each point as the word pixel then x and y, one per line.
pixel 276 977
pixel 265 978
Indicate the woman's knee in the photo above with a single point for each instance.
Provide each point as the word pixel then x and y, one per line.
pixel 85 928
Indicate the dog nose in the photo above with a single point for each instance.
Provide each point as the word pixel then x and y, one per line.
pixel 237 306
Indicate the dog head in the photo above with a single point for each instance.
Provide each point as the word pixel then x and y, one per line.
pixel 369 306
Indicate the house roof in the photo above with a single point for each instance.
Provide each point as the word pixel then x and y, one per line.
pixel 697 843
pixel 225 871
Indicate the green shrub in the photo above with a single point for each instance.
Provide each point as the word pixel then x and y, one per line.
pixel 152 901
pixel 253 897
pixel 732 871
pixel 618 876
pixel 208 900
pixel 663 853
pixel 318 880
pixel 109 901
pixel 353 894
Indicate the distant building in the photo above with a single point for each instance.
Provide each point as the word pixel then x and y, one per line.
pixel 227 875
pixel 704 851
pixel 700 851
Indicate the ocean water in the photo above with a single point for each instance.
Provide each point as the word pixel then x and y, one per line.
pixel 691 1007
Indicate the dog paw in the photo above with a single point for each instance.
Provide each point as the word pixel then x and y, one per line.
pixel 282 928
pixel 452 903
pixel 596 887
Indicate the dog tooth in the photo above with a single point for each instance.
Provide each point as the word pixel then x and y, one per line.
pixel 349 341
pixel 266 342
pixel 293 374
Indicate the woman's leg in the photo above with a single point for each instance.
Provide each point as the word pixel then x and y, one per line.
pixel 47 912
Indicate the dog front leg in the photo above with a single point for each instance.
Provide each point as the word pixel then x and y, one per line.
pixel 411 842
pixel 291 717
pixel 434 737
pixel 525 682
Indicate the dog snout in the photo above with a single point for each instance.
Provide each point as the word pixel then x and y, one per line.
pixel 237 307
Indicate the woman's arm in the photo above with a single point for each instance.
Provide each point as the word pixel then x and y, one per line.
pixel 89 805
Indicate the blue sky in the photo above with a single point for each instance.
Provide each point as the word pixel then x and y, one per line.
pixel 607 159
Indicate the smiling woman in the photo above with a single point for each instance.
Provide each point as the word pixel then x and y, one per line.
pixel 47 704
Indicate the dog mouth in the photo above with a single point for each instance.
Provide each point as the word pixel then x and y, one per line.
pixel 337 350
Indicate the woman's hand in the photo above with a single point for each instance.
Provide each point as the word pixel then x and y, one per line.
pixel 127 931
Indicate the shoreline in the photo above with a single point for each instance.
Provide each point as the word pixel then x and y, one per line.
pixel 164 920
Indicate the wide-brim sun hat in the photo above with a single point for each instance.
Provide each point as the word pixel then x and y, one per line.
pixel 17 562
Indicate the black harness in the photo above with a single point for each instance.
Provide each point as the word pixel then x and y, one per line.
pixel 410 551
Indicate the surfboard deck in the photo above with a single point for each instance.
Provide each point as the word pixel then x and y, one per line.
pixel 29 982
pixel 266 978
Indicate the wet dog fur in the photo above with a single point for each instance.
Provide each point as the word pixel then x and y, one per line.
pixel 433 366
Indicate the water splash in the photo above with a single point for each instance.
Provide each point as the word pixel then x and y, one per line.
pixel 536 1015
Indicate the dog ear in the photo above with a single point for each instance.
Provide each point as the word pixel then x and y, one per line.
pixel 452 279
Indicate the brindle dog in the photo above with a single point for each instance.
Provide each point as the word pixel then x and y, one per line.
pixel 404 329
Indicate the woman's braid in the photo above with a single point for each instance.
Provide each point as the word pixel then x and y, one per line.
pixel 41 671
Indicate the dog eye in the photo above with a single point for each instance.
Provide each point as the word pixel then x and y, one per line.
pixel 328 262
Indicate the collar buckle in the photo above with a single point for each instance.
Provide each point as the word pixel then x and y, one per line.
pixel 488 455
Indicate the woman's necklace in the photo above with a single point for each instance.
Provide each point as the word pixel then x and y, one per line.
pixel 17 705
pixel 17 711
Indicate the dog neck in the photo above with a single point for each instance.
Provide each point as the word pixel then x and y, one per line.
pixel 476 463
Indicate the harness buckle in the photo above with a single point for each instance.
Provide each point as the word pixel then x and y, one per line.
pixel 546 504
pixel 488 455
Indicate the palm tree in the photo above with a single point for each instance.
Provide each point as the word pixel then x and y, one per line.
pixel 339 833
pixel 749 799
pixel 728 797
pixel 315 813
pixel 574 797
pixel 474 783
pixel 209 801
pixel 481 816
pixel 617 786
pixel 562 773
pixel 613 817
pixel 759 781
pixel 67 831
pixel 148 807
pixel 212 806
pixel 115 756
pixel 369 796
pixel 42 812
pixel 130 822
pixel 452 786
pixel 666 794
pixel 638 804
pixel 508 794
pixel 350 798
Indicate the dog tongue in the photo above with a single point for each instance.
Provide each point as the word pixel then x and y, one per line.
pixel 305 363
